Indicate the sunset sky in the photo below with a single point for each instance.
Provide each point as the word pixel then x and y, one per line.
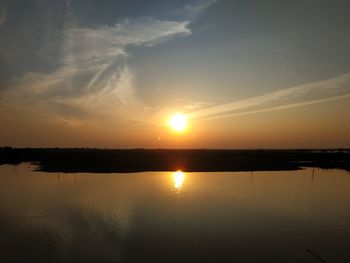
pixel 112 73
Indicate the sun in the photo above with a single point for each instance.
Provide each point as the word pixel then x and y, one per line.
pixel 178 122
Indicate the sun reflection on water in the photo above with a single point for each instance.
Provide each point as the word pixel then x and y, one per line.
pixel 178 179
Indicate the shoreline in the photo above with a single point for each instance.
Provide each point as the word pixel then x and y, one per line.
pixel 144 160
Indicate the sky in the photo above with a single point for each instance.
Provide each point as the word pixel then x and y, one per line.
pixel 110 73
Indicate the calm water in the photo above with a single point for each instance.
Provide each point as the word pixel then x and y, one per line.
pixel 296 216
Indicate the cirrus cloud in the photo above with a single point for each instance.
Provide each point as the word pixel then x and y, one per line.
pixel 94 79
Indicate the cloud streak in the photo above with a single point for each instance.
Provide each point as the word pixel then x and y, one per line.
pixel 277 108
pixel 48 116
pixel 193 10
pixel 302 95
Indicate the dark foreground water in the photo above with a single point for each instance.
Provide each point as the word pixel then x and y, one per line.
pixel 294 216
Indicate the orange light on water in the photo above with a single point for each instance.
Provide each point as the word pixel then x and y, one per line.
pixel 178 179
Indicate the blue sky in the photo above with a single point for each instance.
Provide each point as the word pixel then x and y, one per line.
pixel 96 72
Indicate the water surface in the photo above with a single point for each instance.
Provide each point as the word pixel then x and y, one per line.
pixel 292 216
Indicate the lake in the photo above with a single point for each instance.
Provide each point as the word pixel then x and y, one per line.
pixel 280 216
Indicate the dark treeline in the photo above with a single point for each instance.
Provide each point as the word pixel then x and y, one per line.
pixel 138 160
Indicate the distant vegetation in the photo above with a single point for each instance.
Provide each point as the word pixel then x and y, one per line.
pixel 139 160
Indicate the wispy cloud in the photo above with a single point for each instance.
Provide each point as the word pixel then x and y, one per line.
pixel 307 94
pixel 95 77
pixel 94 80
pixel 194 9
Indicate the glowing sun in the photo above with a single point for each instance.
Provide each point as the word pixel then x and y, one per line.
pixel 178 122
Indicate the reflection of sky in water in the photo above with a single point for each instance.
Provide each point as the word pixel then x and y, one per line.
pixel 242 217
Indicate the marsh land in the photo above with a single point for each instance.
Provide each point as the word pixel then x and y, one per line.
pixel 196 160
